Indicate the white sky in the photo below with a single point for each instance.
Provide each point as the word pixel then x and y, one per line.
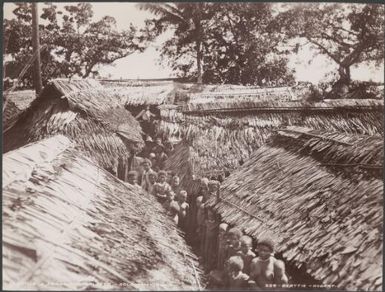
pixel 146 64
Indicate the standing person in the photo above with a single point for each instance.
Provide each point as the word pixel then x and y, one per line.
pixel 175 184
pixel 152 178
pixel 161 187
pixel 146 166
pixel 236 278
pixel 145 118
pixel 233 242
pixel 266 269
pixel 135 163
pixel 184 209
pixel 246 253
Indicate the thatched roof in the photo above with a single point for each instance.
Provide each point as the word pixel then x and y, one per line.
pixel 300 187
pixel 91 117
pixel 17 102
pixel 219 142
pixel 135 93
pixel 68 224
pixel 249 103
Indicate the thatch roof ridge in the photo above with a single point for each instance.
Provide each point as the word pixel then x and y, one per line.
pixel 110 232
pixel 328 222
pixel 93 118
pixel 67 85
pixel 342 152
pixel 249 104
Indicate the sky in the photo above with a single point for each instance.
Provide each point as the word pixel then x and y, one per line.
pixel 146 64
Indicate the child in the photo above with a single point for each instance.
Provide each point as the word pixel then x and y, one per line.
pixel 236 278
pixel 161 187
pixel 175 184
pixel 213 187
pixel 170 195
pixel 233 242
pixel 174 211
pixel 146 164
pixel 246 253
pixel 184 208
pixel 210 243
pixel 152 177
pixel 266 269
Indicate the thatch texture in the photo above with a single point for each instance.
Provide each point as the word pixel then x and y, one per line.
pixel 220 141
pixel 17 102
pixel 322 218
pixel 250 103
pixel 92 118
pixel 68 224
pixel 141 93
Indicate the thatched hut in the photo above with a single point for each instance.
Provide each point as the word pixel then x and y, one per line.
pixel 321 195
pixel 68 224
pixel 86 113
pixel 222 136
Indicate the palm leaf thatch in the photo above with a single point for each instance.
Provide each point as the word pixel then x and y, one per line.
pixel 325 217
pixel 222 139
pixel 91 117
pixel 71 225
pixel 136 95
pixel 17 102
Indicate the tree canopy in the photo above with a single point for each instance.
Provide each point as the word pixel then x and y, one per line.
pixel 220 42
pixel 75 44
pixel 348 34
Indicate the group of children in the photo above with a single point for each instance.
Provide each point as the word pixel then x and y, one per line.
pixel 149 174
pixel 239 266
pixel 226 253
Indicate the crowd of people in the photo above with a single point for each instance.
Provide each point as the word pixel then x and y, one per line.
pixel 226 253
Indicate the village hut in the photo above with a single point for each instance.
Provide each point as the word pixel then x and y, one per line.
pixel 219 137
pixel 70 225
pixel 86 113
pixel 320 195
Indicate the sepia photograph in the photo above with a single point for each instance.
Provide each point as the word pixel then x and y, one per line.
pixel 192 146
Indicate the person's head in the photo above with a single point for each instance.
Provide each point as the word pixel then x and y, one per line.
pixel 158 141
pixel 175 180
pixel 170 195
pixel 235 265
pixel 233 237
pixel 213 186
pixel 199 201
pixel 132 177
pixel 146 164
pixel 152 177
pixel 152 156
pixel 265 247
pixel 162 176
pixel 246 243
pixel 222 229
pixel 182 196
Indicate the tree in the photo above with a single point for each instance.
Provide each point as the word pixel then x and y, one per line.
pixel 349 34
pixel 230 42
pixel 242 47
pixel 76 45
pixel 188 22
